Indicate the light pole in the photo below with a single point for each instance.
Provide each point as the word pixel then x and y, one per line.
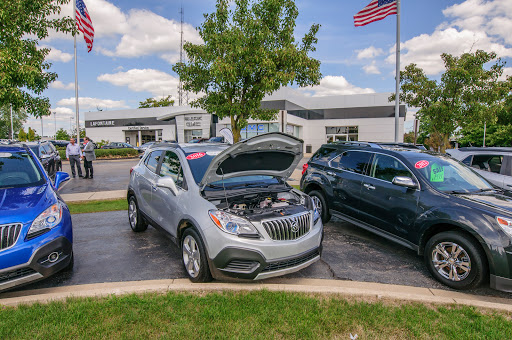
pixel 12 128
pixel 42 133
pixel 55 120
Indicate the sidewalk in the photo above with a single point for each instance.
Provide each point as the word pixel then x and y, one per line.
pixel 362 290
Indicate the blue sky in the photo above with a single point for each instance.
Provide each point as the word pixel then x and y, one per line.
pixel 137 42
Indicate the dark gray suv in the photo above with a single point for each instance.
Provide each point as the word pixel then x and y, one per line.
pixel 428 202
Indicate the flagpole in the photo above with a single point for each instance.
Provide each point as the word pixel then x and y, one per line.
pixel 76 81
pixel 397 75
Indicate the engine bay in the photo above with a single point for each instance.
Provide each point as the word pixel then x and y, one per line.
pixel 263 204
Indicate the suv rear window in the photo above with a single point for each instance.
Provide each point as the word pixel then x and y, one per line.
pixel 324 155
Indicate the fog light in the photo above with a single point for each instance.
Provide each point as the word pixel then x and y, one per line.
pixel 53 257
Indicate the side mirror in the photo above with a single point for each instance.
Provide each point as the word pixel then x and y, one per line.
pixel 403 181
pixel 167 182
pixel 60 177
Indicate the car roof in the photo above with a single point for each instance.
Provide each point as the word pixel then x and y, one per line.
pixel 191 147
pixel 491 149
pixel 12 148
pixel 403 149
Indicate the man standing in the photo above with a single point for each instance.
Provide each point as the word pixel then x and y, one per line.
pixel 89 156
pixel 73 155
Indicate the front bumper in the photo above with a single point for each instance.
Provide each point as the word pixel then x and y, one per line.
pixel 251 265
pixel 45 261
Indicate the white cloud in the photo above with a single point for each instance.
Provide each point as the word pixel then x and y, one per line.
pixel 425 50
pixel 369 53
pixel 57 84
pixel 334 85
pixel 138 32
pixel 63 111
pixel 371 69
pixel 58 55
pixel 156 82
pixel 86 103
pixel 507 72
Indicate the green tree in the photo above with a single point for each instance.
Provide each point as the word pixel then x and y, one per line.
pixel 152 102
pixel 62 134
pixel 22 135
pixel 249 51
pixel 467 94
pixel 24 73
pixel 31 135
pixel 18 118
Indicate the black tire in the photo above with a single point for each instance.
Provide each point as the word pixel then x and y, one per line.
pixel 194 257
pixel 137 222
pixel 463 265
pixel 321 203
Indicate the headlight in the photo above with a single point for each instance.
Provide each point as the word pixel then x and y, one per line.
pixel 48 219
pixel 505 224
pixel 316 214
pixel 232 224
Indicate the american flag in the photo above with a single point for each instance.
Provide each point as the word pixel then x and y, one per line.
pixel 84 23
pixel 376 10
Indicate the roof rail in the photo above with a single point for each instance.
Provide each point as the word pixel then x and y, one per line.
pixel 475 148
pixel 357 143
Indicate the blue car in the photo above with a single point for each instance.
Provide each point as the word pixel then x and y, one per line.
pixel 35 224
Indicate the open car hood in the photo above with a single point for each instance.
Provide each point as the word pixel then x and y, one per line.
pixel 272 154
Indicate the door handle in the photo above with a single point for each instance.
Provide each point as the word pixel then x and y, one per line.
pixel 330 173
pixel 154 187
pixel 369 186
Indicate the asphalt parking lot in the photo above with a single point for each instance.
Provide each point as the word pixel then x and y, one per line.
pixel 106 250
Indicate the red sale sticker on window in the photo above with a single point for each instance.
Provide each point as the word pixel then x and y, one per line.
pixel 421 164
pixel 196 155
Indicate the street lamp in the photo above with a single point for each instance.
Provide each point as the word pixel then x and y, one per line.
pixel 55 120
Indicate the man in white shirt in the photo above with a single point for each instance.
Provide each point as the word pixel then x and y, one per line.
pixel 73 155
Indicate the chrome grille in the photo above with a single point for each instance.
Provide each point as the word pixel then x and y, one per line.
pixel 9 234
pixel 288 228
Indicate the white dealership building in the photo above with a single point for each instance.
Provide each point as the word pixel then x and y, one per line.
pixel 316 120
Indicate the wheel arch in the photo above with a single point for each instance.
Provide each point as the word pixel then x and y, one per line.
pixel 442 227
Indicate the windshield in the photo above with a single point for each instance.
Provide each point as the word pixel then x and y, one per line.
pixel 18 169
pixel 447 174
pixel 199 162
pixel 35 149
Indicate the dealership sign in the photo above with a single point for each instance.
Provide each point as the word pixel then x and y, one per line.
pixel 193 121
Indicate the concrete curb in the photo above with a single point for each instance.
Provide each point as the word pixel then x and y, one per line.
pixel 94 196
pixel 374 291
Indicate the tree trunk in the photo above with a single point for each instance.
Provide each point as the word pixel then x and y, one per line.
pixel 236 130
pixel 444 142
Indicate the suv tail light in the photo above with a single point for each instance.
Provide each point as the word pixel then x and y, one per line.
pixel 304 168
pixel 131 169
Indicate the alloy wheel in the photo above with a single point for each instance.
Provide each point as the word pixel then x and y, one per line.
pixel 132 213
pixel 451 261
pixel 318 204
pixel 191 256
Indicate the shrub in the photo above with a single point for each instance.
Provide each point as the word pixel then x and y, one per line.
pixel 108 153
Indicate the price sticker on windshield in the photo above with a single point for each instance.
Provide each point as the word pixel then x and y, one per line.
pixel 196 155
pixel 421 164
pixel 437 173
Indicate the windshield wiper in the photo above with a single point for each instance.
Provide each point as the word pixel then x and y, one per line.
pixel 456 192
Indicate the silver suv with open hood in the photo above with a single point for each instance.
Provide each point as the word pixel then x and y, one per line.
pixel 228 208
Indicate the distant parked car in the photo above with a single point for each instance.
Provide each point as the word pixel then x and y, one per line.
pixel 216 140
pixel 494 164
pixel 35 224
pixel 117 145
pixel 428 202
pixel 60 143
pixel 198 140
pixel 144 146
pixel 48 155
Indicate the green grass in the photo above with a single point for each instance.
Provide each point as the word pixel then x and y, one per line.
pixel 253 315
pixel 97 206
pixel 296 186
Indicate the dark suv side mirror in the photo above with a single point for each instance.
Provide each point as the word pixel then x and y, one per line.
pixel 403 181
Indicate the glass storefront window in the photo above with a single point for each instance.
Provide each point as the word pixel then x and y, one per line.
pixel 191 134
pixel 341 133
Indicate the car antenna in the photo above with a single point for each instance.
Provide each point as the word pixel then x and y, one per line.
pixel 223 187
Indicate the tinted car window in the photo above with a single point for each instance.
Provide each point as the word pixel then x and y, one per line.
pixel 152 160
pixel 467 160
pixel 35 149
pixel 354 161
pixel 490 163
pixel 18 169
pixel 324 154
pixel 45 149
pixel 171 166
pixel 386 168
